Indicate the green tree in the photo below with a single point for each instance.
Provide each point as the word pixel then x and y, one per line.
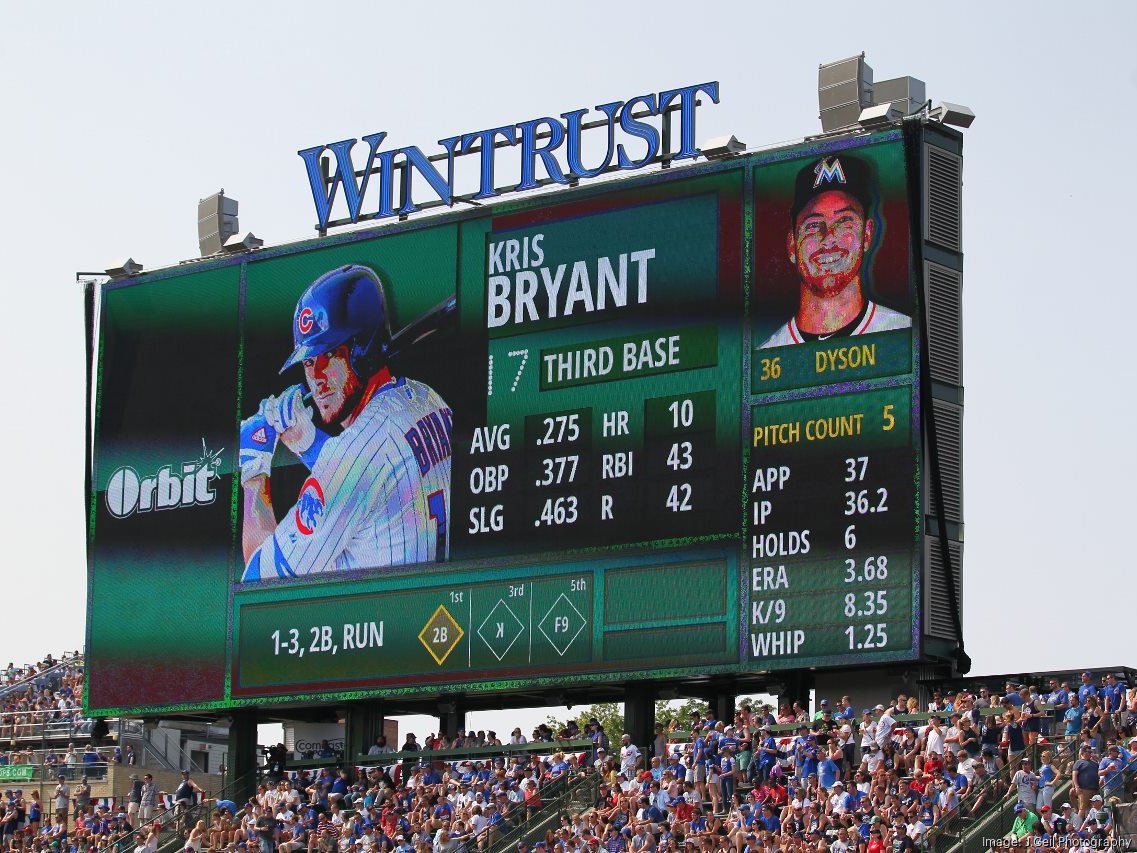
pixel 666 711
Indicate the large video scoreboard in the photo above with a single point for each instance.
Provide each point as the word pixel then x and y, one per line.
pixel 661 427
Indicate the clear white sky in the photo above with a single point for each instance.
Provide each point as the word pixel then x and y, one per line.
pixel 119 116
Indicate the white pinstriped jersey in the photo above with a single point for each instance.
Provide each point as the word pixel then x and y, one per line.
pixel 378 494
pixel 877 319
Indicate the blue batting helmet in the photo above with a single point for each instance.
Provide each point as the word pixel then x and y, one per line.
pixel 344 306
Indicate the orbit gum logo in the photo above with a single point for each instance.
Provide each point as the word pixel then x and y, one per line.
pixel 170 487
pixel 309 506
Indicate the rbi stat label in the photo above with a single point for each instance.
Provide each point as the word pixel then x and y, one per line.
pixel 833 524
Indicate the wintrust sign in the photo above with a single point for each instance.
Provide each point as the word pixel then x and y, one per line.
pixel 548 145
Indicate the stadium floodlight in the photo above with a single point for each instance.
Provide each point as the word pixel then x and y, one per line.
pixel 954 114
pixel 246 243
pixel 123 269
pixel 721 147
pixel 879 115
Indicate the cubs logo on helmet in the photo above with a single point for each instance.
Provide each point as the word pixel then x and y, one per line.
pixel 309 506
pixel 304 320
pixel 345 306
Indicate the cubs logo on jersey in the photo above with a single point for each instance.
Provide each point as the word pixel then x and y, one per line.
pixel 309 506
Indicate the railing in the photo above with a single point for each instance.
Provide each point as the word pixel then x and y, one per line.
pixel 954 826
pixel 44 725
pixel 185 760
pixel 172 827
pixel 965 828
pixel 93 771
pixel 530 824
pixel 25 680
pixel 151 752
pixel 472 752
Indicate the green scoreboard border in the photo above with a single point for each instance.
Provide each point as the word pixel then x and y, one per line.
pixel 591 562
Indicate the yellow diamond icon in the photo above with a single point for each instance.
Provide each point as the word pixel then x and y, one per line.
pixel 441 634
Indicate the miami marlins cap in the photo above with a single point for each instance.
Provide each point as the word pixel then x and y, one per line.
pixel 845 172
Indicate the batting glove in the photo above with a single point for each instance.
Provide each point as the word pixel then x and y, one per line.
pixel 288 415
pixel 258 442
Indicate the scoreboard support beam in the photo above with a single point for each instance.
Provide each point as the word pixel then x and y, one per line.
pixel 363 723
pixel 639 714
pixel 451 719
pixel 723 705
pixel 795 687
pixel 243 758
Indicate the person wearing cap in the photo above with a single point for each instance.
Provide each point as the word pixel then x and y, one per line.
pixel 875 837
pixel 1110 771
pixel 840 801
pixel 1057 822
pixel 184 796
pixel 1024 785
pixel 885 723
pixel 1025 821
pixel 831 231
pixel 899 841
pixel 765 756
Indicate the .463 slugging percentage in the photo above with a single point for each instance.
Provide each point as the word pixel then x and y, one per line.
pixel 558 511
pixel 872 636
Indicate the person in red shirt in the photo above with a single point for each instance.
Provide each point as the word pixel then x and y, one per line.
pixel 933 762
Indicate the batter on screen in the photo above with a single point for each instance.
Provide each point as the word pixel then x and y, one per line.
pixel 378 491
pixel 829 236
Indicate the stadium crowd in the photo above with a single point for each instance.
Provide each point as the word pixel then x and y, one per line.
pixel 47 693
pixel 879 780
pixel 840 781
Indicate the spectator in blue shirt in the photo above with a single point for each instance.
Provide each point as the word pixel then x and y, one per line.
pixel 1110 772
pixel 827 773
pixel 1059 697
pixel 1073 716
pixel 846 711
pixel 769 819
pixel 809 757
pixel 1112 695
pixel 1087 687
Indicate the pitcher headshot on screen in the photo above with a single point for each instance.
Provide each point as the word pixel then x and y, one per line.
pixel 378 456
pixel 831 233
